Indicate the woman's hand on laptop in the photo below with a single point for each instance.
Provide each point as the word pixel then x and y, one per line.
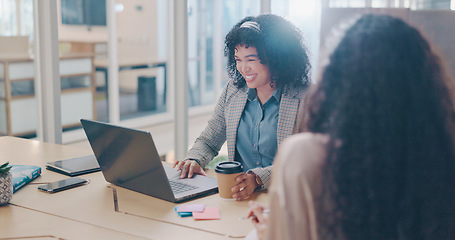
pixel 188 166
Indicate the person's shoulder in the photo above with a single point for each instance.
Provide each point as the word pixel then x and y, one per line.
pixel 299 91
pixel 304 148
pixel 306 140
pixel 232 90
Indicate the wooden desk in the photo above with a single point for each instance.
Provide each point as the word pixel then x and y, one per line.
pixel 21 223
pixel 92 206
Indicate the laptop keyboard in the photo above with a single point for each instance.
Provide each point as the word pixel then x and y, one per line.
pixel 178 187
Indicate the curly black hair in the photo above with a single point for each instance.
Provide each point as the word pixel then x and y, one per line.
pixel 386 96
pixel 280 46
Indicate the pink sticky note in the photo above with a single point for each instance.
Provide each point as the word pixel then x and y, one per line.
pixel 210 213
pixel 191 208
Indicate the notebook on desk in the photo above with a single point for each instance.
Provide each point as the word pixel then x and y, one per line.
pixel 128 158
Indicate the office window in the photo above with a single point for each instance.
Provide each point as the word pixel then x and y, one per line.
pixel 8 22
pixel 16 18
pixel 18 106
pixel 200 44
pixel 431 4
pixel 142 75
pixel 413 4
pixel 305 15
pixel 26 13
pixel 197 52
pixel 234 11
pixel 379 4
pixel 347 3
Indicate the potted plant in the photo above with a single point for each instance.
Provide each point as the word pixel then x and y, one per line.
pixel 6 184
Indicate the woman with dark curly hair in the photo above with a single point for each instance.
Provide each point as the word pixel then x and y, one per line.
pixel 379 162
pixel 260 106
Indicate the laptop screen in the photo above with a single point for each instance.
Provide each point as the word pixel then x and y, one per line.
pixel 128 158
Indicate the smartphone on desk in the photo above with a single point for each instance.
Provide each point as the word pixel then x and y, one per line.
pixel 63 185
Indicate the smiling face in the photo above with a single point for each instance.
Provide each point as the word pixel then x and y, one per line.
pixel 256 74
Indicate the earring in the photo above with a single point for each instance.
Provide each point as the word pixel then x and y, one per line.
pixel 272 84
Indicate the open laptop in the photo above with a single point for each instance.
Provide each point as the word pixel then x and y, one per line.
pixel 128 158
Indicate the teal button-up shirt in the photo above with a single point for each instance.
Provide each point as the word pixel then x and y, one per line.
pixel 256 143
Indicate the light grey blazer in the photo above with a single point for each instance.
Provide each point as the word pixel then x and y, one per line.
pixel 225 120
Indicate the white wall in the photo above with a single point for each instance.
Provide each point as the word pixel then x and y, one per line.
pixel 137 29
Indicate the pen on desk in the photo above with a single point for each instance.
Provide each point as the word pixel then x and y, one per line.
pixel 266 211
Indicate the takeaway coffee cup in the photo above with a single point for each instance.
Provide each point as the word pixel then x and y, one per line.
pixel 226 172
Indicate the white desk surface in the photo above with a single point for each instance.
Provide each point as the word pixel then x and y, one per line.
pixel 92 205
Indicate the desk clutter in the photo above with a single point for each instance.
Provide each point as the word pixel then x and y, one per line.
pixel 89 212
pixel 198 211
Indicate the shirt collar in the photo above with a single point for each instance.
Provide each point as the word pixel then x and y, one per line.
pixel 253 95
pixel 277 95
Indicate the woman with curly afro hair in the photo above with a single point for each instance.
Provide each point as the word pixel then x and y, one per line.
pixel 379 162
pixel 260 106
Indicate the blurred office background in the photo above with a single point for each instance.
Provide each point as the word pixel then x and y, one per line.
pixel 116 58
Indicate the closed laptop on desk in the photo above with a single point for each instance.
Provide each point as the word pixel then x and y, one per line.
pixel 128 158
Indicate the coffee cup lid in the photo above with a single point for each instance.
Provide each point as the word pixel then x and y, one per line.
pixel 228 167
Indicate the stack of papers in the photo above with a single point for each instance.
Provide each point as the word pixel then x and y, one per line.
pixel 209 213
pixel 198 211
